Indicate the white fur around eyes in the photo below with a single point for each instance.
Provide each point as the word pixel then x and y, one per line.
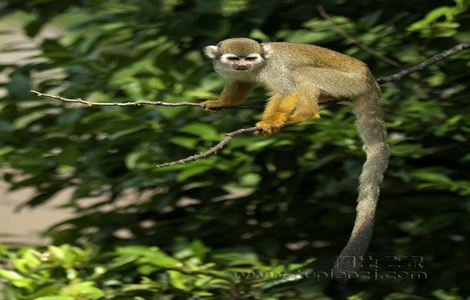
pixel 228 55
pixel 254 55
pixel 224 57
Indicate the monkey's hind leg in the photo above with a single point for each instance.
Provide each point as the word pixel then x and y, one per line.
pixel 307 104
pixel 277 112
pixel 306 109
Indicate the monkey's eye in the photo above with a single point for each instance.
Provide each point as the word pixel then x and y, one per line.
pixel 251 58
pixel 233 58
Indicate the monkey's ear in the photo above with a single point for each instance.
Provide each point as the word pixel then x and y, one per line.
pixel 267 51
pixel 211 51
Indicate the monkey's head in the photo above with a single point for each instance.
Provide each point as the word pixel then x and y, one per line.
pixel 237 54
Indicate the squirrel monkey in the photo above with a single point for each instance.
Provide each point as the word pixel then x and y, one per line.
pixel 301 77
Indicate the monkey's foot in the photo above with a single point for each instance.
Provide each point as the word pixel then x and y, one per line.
pixel 213 105
pixel 269 127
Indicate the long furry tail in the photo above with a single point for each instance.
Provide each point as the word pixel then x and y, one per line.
pixel 371 126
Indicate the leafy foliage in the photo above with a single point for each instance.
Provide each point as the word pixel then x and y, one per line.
pixel 138 272
pixel 269 201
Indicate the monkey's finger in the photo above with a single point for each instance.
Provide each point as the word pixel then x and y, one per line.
pixel 262 131
pixel 211 108
pixel 267 130
pixel 212 105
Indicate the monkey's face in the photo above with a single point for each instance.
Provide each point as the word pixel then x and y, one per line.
pixel 237 56
pixel 241 63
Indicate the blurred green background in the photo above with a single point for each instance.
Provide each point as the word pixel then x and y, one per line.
pixel 243 223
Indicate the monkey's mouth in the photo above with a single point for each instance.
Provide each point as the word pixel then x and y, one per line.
pixel 241 68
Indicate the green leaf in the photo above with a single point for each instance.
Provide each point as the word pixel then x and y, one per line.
pixel 61 297
pixel 178 280
pixel 250 179
pixel 27 119
pixel 153 255
pixel 127 131
pixel 85 289
pixel 429 175
pixel 193 171
pixel 402 296
pixel 16 279
pixel 307 36
pixel 186 142
pixel 445 295
pixel 204 131
pixel 132 159
pixel 43 291
pixel 6 150
pixel 261 144
pixel 236 258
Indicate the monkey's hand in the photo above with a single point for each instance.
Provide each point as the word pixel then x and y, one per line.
pixel 269 126
pixel 214 105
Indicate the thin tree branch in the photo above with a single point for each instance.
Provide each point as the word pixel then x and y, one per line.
pixel 352 40
pixel 228 136
pixel 212 150
pixel 425 64
pixel 133 103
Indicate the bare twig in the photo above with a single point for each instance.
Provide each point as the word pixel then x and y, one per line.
pixel 228 136
pixel 134 103
pixel 212 150
pixel 428 62
pixel 352 40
